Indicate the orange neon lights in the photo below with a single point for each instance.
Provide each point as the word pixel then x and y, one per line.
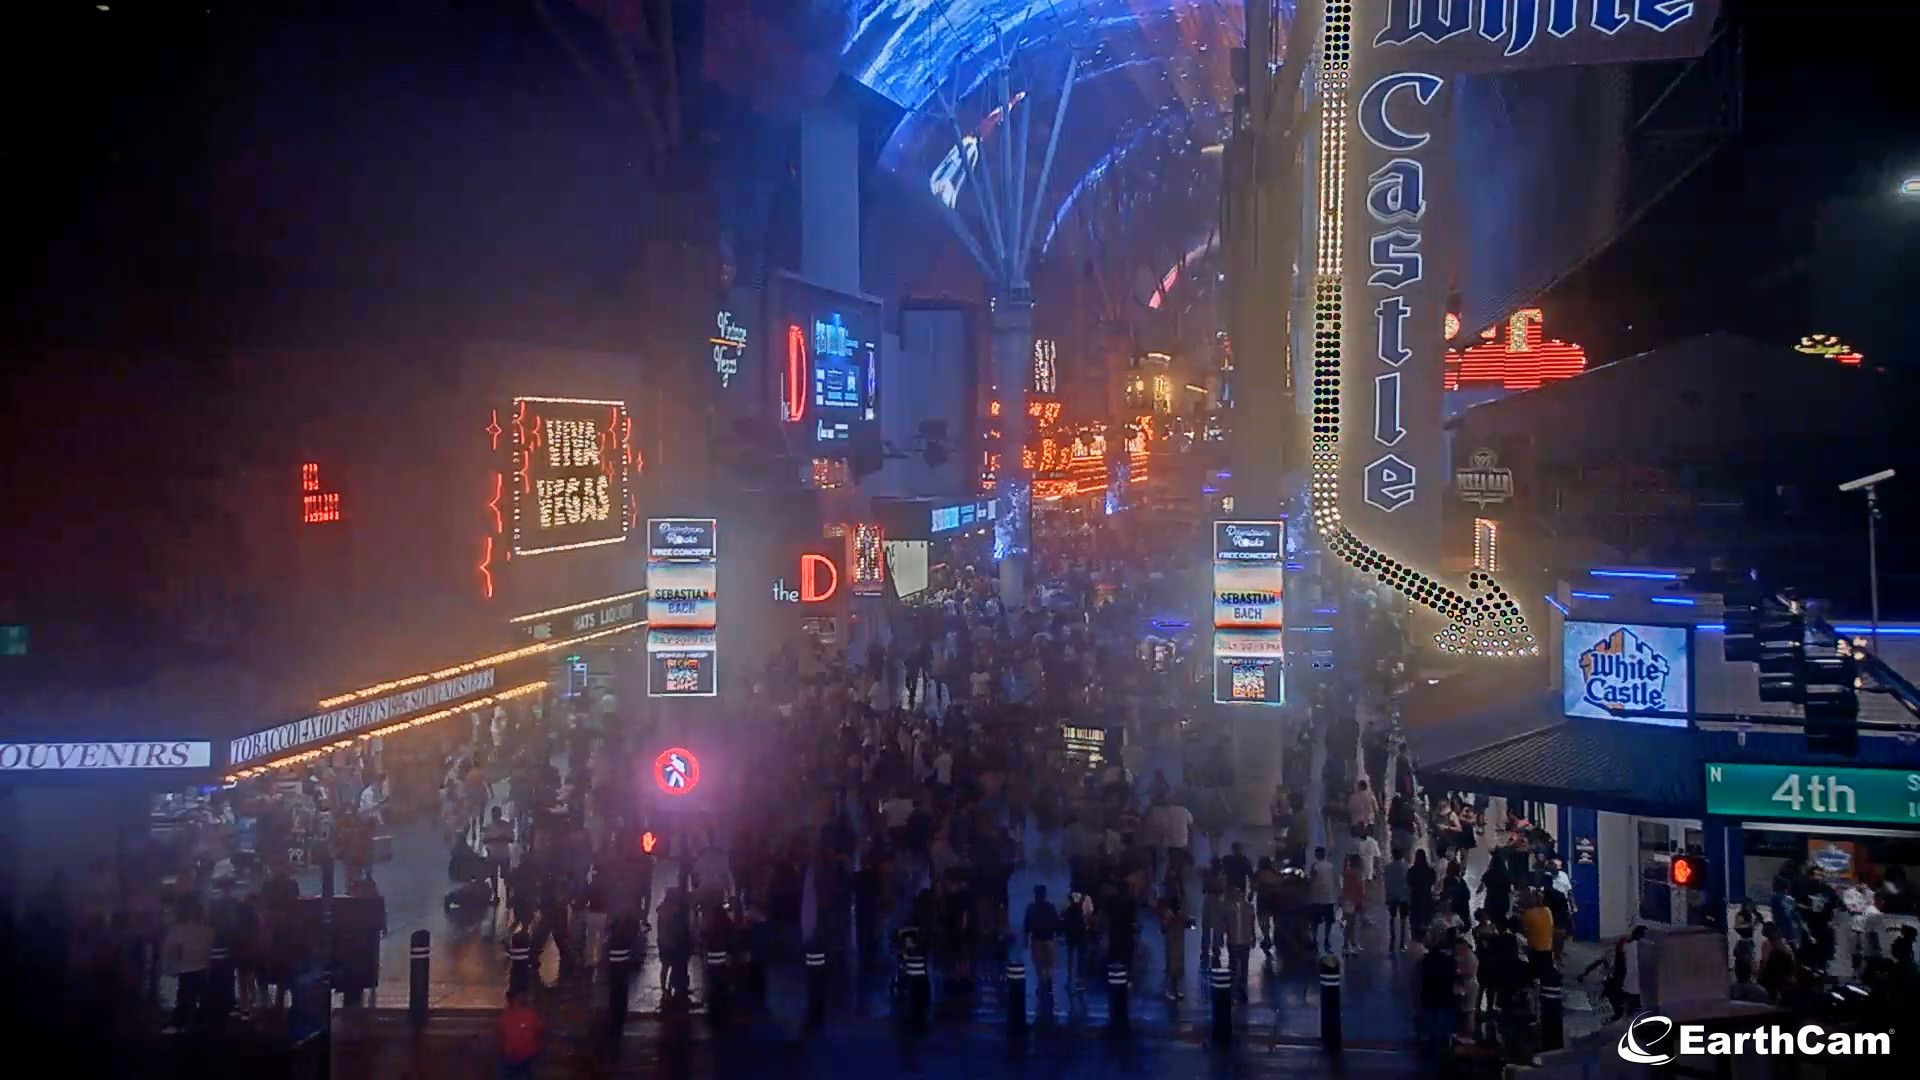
pixel 794 390
pixel 486 565
pixel 810 566
pixel 1524 360
pixel 493 504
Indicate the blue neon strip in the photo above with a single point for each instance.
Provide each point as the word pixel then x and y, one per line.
pixel 1326 611
pixel 1578 595
pixel 1314 629
pixel 1889 631
pixel 1644 575
pixel 1555 605
pixel 1710 626
pixel 1295 566
pixel 1678 601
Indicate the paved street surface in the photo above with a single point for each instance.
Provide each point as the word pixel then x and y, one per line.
pixel 656 1048
pixel 469 964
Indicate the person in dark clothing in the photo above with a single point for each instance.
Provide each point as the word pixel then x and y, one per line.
pixel 1238 869
pixel 1075 931
pixel 1439 1008
pixel 1499 886
pixel 1458 897
pixel 1420 897
pixel 1041 925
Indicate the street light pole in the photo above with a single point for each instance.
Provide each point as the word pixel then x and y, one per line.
pixel 1870 484
pixel 1873 559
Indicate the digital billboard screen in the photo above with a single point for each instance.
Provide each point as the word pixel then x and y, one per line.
pixel 829 373
pixel 570 483
pixel 683 563
pixel 1249 570
pixel 1627 671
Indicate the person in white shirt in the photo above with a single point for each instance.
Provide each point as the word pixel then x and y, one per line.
pixel 1368 849
pixel 1323 893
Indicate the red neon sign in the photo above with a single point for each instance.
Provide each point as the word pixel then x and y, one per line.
pixel 316 507
pixel 811 592
pixel 1521 360
pixel 676 771
pixel 795 387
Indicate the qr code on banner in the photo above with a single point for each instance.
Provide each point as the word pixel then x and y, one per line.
pixel 683 675
pixel 1249 683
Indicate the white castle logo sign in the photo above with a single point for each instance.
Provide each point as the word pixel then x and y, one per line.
pixel 1623 674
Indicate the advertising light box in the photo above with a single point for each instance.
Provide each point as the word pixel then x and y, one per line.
pixel 1249 657
pixel 683 570
pixel 1627 671
pixel 570 484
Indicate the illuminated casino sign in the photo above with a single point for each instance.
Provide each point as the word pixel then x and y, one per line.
pixel 1386 67
pixel 1488 35
pixel 683 571
pixel 570 474
pixel 1249 574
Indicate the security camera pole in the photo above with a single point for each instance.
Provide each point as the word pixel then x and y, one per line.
pixel 1871 484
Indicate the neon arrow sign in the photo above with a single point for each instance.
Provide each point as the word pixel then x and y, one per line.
pixel 1484 619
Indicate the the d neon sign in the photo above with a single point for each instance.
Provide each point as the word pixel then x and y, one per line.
pixel 819 581
pixel 812 566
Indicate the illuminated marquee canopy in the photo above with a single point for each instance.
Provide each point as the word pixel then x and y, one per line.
pixel 571 472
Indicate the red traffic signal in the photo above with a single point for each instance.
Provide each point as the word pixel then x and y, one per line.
pixel 649 841
pixel 1687 872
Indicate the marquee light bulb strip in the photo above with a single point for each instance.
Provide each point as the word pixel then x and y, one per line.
pixel 305 756
pixel 1485 620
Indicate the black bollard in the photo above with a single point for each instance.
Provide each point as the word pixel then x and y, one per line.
pixel 816 990
pixel 1118 1022
pixel 1222 983
pixel 418 946
pixel 219 995
pixel 619 984
pixel 1016 998
pixel 1553 1030
pixel 1330 1003
pixel 718 996
pixel 519 961
pixel 919 991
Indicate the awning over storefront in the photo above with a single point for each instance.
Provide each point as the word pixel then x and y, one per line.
pixel 1457 713
pixel 1601 765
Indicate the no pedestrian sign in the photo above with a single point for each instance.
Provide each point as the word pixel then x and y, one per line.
pixel 676 771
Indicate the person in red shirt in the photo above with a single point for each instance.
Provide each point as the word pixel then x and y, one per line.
pixel 522 1034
